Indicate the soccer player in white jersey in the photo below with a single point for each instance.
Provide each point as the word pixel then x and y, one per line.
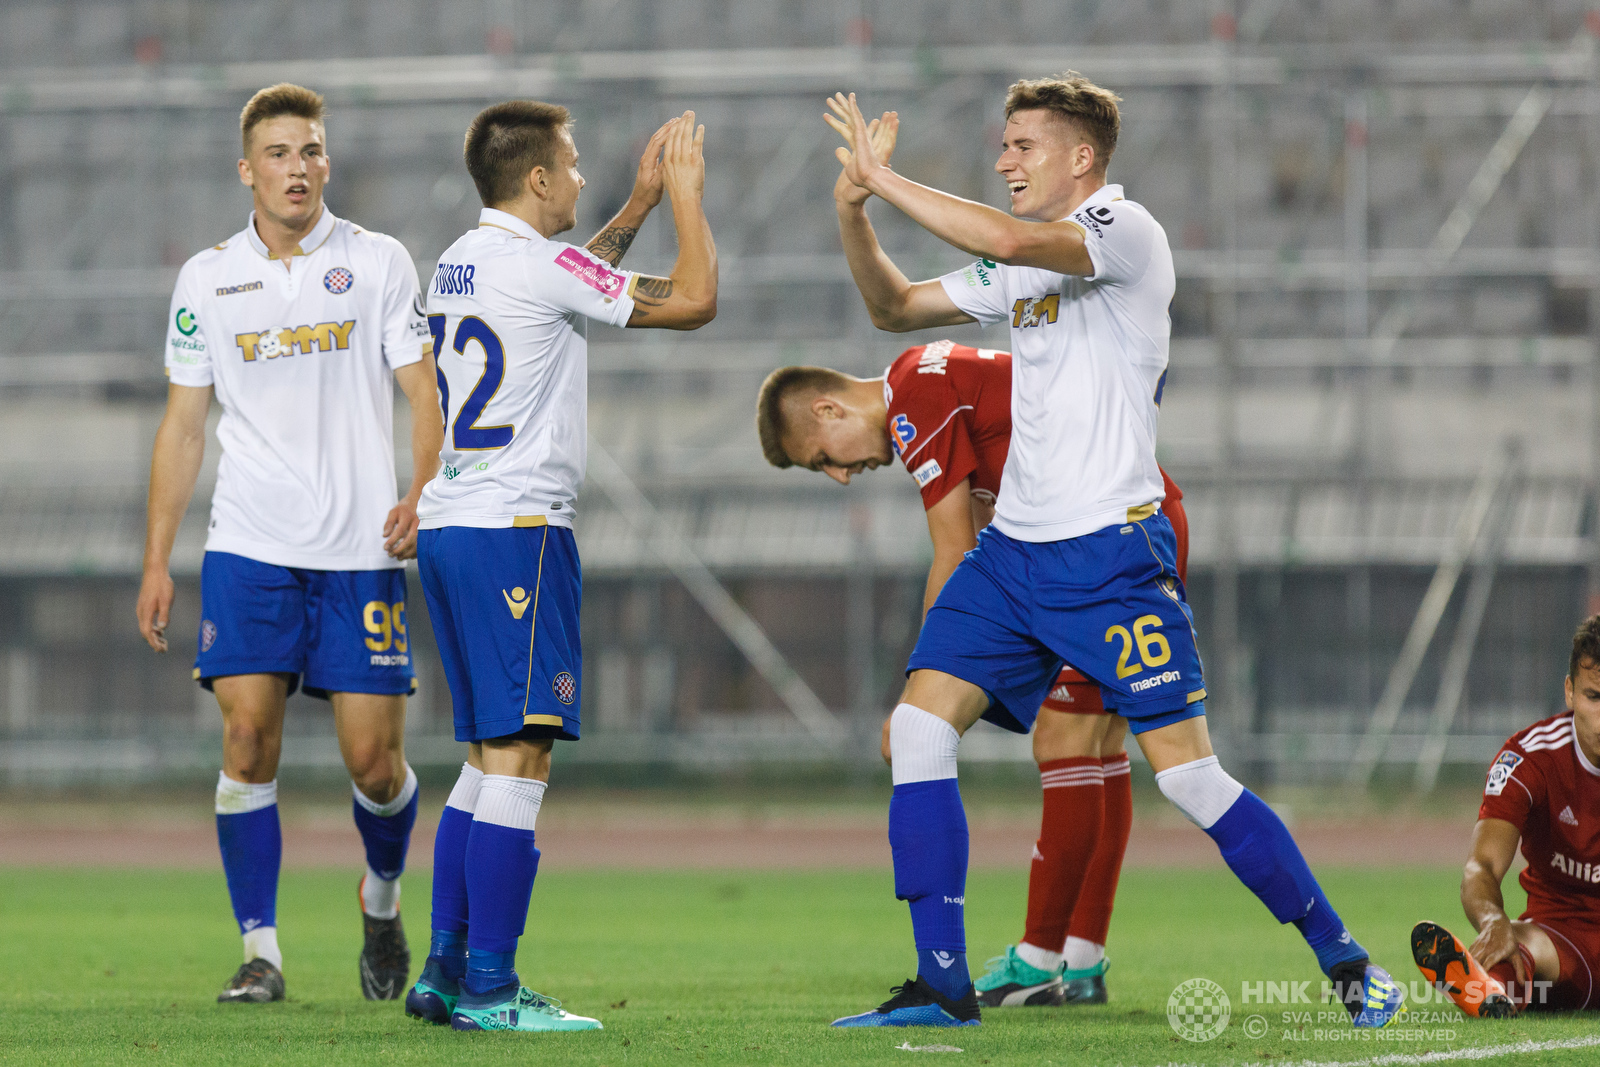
pixel 509 307
pixel 1078 564
pixel 301 324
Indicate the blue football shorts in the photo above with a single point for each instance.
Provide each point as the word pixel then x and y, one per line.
pixel 1110 603
pixel 332 631
pixel 504 605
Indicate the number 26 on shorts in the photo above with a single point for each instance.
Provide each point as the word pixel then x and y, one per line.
pixel 1153 648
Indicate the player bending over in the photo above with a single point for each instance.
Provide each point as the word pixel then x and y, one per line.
pixel 945 410
pixel 1544 788
pixel 1079 564
pixel 509 309
pixel 301 323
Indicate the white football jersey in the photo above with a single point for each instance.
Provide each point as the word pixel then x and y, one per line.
pixel 302 361
pixel 509 312
pixel 1089 360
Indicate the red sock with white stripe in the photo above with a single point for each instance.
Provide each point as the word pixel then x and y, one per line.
pixel 1074 803
pixel 1091 919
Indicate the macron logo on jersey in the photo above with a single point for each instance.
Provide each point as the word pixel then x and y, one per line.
pixel 270 344
pixel 901 433
pixel 589 272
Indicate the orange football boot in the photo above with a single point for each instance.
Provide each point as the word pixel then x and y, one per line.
pixel 1445 961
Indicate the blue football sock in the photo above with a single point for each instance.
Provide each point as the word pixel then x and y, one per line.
pixel 252 852
pixel 386 828
pixel 449 944
pixel 1258 848
pixel 450 876
pixel 928 833
pixel 501 864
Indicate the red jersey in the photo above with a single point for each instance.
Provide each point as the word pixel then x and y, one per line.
pixel 1542 784
pixel 950 419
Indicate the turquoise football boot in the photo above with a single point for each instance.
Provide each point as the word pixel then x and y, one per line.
pixel 1087 985
pixel 1010 982
pixel 434 996
pixel 518 1008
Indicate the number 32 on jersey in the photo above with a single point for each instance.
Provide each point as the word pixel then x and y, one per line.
pixel 465 433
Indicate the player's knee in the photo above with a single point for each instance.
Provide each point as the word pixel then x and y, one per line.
pixel 249 745
pixel 1201 789
pixel 922 746
pixel 376 771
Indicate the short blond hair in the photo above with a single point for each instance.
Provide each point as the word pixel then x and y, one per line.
pixel 1090 109
pixel 275 101
pixel 771 420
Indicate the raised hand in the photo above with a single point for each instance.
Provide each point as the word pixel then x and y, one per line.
pixel 860 159
pixel 647 185
pixel 882 133
pixel 683 159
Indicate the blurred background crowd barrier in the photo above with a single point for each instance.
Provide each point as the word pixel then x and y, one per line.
pixel 1381 406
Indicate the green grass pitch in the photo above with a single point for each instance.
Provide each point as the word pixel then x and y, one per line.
pixel 118 967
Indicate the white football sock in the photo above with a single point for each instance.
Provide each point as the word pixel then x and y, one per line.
pixel 507 801
pixel 262 943
pixel 237 798
pixel 1201 789
pixel 1034 956
pixel 922 746
pixel 464 796
pixel 380 898
pixel 1081 953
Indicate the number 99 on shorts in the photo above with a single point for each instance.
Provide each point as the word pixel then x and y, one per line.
pixel 387 625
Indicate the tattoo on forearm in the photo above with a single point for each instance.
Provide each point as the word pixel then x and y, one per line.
pixel 649 291
pixel 612 243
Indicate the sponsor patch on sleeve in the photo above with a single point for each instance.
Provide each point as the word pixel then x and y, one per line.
pixel 927 472
pixel 902 431
pixel 1500 773
pixel 590 273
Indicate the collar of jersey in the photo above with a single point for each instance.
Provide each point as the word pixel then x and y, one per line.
pixel 506 221
pixel 314 240
pixel 1583 761
pixel 1103 195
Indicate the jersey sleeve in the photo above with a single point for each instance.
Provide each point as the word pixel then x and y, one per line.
pixel 976 289
pixel 571 279
pixel 188 355
pixel 929 430
pixel 1119 239
pixel 405 316
pixel 1514 787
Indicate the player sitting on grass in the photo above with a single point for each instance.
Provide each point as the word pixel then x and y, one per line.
pixel 1079 564
pixel 945 410
pixel 1544 788
pixel 509 308
pixel 302 324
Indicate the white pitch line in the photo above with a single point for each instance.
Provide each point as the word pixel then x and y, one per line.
pixel 1413 1059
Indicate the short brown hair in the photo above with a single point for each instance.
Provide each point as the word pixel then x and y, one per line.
pixel 1091 109
pixel 274 101
pixel 771 421
pixel 507 141
pixel 1585 647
